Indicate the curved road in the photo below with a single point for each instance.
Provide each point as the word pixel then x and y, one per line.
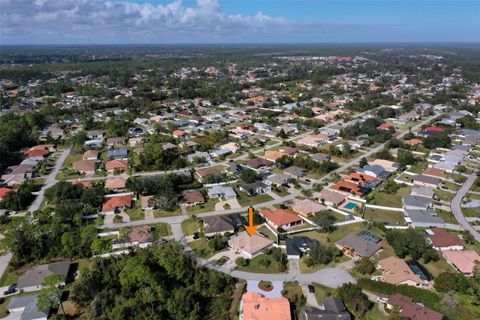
pixel 456 206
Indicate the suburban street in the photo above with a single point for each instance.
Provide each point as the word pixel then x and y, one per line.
pixel 456 206
pixel 50 181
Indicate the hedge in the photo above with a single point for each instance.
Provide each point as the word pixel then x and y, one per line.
pixel 426 297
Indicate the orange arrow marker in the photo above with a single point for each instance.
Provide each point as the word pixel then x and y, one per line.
pixel 250 228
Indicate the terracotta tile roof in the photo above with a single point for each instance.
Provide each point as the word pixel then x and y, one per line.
pixel 84 165
pixel 396 271
pixel 251 245
pixel 110 204
pixel 178 133
pixel 36 153
pixel 441 238
pixel 413 142
pixel 280 217
pixel 307 207
pixel 203 172
pixel 115 183
pixel 347 186
pixel 141 234
pixel 90 154
pixel 411 310
pixel 439 173
pixel 193 197
pixel 257 307
pixel 462 260
pixel 4 191
pixel 273 155
pixel 116 164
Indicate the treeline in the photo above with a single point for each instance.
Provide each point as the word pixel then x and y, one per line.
pixel 155 283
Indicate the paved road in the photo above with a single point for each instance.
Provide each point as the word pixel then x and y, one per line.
pixel 456 209
pixel 4 261
pixel 50 181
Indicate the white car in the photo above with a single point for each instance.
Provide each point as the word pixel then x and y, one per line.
pixel 382 300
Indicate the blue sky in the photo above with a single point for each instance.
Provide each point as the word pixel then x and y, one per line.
pixel 235 21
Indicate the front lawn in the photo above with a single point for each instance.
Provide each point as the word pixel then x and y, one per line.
pixel 246 201
pixel 263 263
pixel 305 269
pixel 451 186
pixel 321 292
pixel 190 226
pixel 265 231
pixel 444 195
pixel 391 217
pixel 201 248
pixel 205 207
pixel 136 213
pixel 165 213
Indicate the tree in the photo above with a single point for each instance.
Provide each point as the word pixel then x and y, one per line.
pixel 364 266
pixel 448 281
pixel 217 242
pixel 363 162
pixel 51 295
pixel 355 300
pixel 325 221
pixel 405 157
pixel 249 176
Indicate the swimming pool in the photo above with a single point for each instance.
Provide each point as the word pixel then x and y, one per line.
pixel 350 206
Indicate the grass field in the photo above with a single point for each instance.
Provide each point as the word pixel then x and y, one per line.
pixel 264 230
pixel 263 263
pixel 451 186
pixel 206 207
pixel 444 195
pixel 164 213
pixel 392 217
pixel 305 269
pixel 336 235
pixel 246 201
pixel 201 248
pixel 190 226
pixel 136 213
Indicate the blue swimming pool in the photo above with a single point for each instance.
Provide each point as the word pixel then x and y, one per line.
pixel 350 206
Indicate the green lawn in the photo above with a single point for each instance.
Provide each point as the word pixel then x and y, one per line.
pixel 164 213
pixel 451 186
pixel 256 265
pixel 447 216
pixel 444 195
pixel 190 226
pixel 71 158
pixel 282 192
pixel 136 213
pixel 392 217
pixel 264 230
pixel 386 199
pixel 305 269
pixel 375 314
pixel 161 229
pixel 201 248
pixel 293 292
pixel 10 276
pixel 206 207
pixel 470 212
pixel 437 267
pixel 338 234
pixel 321 292
pixel 246 201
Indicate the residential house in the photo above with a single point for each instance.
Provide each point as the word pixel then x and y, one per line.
pixel 410 310
pixel 295 172
pixel 256 306
pixel 426 181
pixel 25 307
pixel 113 165
pixel 307 207
pixel 331 309
pixel 349 187
pixel 389 166
pixel 355 246
pixel 116 203
pixel 147 202
pixel 232 146
pixel 214 225
pixel 249 246
pixel 375 171
pixel 220 152
pixel 34 153
pixel 219 191
pixel 199 156
pixel 282 218
pixel 396 271
pixel 191 198
pixel 290 151
pixel 331 198
pixel 277 179
pixel 319 157
pixel 273 155
pixel 115 184
pixel 297 246
pixel 140 236
pixel 259 164
pixel 423 192
pixel 33 278
pixel 90 155
pixel 435 173
pixel 254 188
pixel 116 141
pixel 210 171
pixel 463 261
pixel 96 134
pixel 84 166
pixel 313 141
pixel 423 219
pixel 441 240
pixel 416 203
pixel 117 154
pixel 179 134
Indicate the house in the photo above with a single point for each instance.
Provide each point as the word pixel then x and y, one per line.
pixel 389 166
pixel 254 188
pixel 413 142
pixel 375 171
pixel 33 278
pixel 256 306
pixel 214 225
pixel 4 191
pixel 96 134
pixel 385 126
pixel 332 309
pixel 25 308
pixel 220 152
pixel 295 172
pixel 464 261
pixel 313 141
pixel 226 192
pixel 115 184
pixel 331 198
pixel 273 155
pixel 423 219
pixel 199 157
pixel 116 141
pixel 426 181
pixel 277 179
pixel 232 146
pixel 411 310
pixel 423 192
pixel 307 207
pixel 84 166
pixel 179 134
pixel 147 202
pixel 139 236
pixel 288 150
pixel 249 246
pixel 259 164
pixel 90 155
pixel 210 171
pixel 33 153
pixel 319 157
pixel 297 246
pixel 191 198
pixel 416 203
pixel 396 271
pixel 113 165
pixel 281 218
pixel 349 187
pixel 356 246
pixel 435 173
pixel 121 153
pixel 441 240
pixel 115 203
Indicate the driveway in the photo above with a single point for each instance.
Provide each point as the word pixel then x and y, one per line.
pixel 233 203
pixel 231 255
pixel 311 298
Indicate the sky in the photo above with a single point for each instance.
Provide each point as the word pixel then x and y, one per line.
pixel 237 21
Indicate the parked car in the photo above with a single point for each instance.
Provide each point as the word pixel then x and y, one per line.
pixel 382 299
pixel 311 288
pixel 11 289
